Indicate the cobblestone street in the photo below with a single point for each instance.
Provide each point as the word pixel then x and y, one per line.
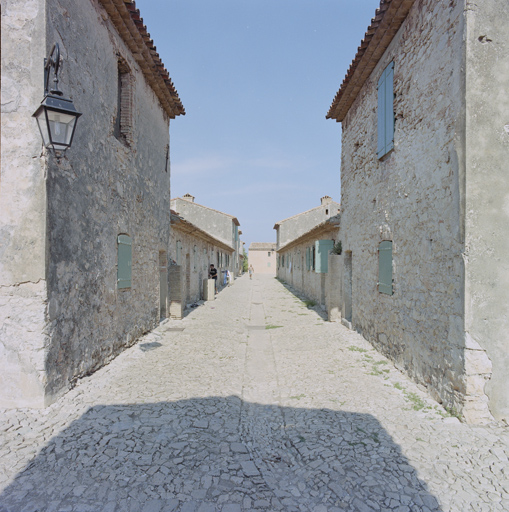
pixel 251 402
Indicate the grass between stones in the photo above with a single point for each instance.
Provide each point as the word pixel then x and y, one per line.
pixel 273 326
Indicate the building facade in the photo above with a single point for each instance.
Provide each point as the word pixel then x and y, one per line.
pixel 424 197
pixel 82 236
pixel 219 225
pixel 192 250
pixel 291 228
pixel 303 263
pixel 263 257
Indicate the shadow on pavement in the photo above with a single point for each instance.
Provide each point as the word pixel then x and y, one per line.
pixel 218 453
pixel 317 309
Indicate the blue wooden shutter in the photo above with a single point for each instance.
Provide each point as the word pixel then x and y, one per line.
pixel 385 267
pixel 124 261
pixel 323 247
pixel 386 111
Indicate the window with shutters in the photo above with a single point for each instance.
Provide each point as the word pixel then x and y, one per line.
pixel 386 111
pixel 124 261
pixel 323 247
pixel 385 267
pixel 123 128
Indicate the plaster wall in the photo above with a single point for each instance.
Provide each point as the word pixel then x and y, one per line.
pixel 23 287
pixel 262 262
pixel 201 255
pixel 296 226
pixel 413 197
pixel 487 200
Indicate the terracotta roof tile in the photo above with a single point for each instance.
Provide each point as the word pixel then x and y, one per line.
pixel 129 24
pixel 387 21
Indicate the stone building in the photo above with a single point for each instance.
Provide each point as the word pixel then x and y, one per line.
pixel 192 250
pixel 303 262
pixel 263 257
pixel 291 228
pixel 82 236
pixel 219 225
pixel 425 222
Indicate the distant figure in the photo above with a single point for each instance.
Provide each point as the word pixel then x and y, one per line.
pixel 251 271
pixel 213 275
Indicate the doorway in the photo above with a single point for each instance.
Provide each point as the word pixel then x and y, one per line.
pixel 188 277
pixel 163 285
pixel 347 298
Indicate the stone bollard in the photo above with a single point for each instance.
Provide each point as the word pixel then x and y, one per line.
pixel 208 289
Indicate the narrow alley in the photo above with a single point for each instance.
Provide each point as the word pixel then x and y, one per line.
pixel 251 402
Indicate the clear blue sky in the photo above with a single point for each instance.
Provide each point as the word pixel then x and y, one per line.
pixel 256 78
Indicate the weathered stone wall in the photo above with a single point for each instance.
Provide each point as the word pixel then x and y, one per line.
pixel 308 282
pixel 23 337
pixel 63 217
pixel 334 288
pixel 195 268
pixel 262 263
pixel 216 223
pixel 413 198
pixel 296 226
pixel 103 188
pixel 487 205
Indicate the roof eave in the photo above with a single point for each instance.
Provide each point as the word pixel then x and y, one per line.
pixel 387 21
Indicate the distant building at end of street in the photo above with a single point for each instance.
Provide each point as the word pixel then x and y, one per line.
pixel 262 255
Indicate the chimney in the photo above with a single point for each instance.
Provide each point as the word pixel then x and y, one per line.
pixel 326 200
pixel 188 197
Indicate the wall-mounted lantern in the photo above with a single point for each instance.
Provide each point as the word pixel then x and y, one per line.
pixel 56 116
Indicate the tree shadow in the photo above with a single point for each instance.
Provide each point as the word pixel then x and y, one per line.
pixel 218 453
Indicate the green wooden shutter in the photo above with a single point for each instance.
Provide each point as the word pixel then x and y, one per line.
pixel 386 111
pixel 307 258
pixel 385 267
pixel 124 261
pixel 323 247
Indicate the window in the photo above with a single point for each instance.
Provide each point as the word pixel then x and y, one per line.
pixel 386 111
pixel 269 254
pixel 385 267
pixel 124 261
pixel 313 258
pixel 323 247
pixel 123 129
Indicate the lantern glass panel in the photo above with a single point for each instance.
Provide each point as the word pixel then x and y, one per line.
pixel 43 126
pixel 61 127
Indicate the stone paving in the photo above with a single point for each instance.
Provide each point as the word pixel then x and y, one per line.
pixel 251 402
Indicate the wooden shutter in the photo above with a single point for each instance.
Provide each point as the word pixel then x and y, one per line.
pixel 124 263
pixel 307 258
pixel 386 111
pixel 323 247
pixel 385 267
